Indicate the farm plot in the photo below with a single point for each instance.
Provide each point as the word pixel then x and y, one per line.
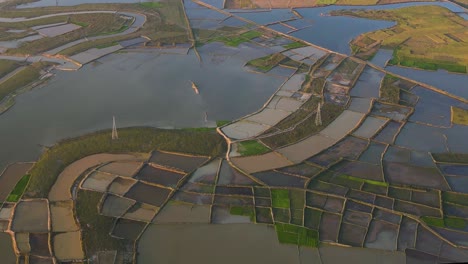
pixel 67 246
pixel 98 181
pixel 348 148
pixel 259 163
pixel 177 161
pixel 128 229
pixel 141 212
pixel 394 112
pixel 346 73
pixel 232 215
pixel 121 185
pixel 206 174
pixel 370 127
pixel 159 176
pixel 121 168
pixel 368 84
pixel 273 178
pixel 31 216
pixel 10 176
pixel 389 132
pixel 183 213
pixel 149 194
pixel 115 206
pixel 62 218
pixel 382 235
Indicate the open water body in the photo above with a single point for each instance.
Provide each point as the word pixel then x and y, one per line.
pixel 147 89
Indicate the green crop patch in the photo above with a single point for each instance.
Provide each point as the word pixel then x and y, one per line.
pixel 18 191
pixel 372 182
pixel 235 41
pixel 459 116
pixel 267 63
pixel 220 123
pixel 433 221
pixel 456 223
pixel 294 45
pixel 280 198
pixel 456 198
pixel 251 148
pixel 243 211
pixel 451 157
pixel 297 235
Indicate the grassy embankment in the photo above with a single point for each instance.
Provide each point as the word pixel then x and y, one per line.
pixel 7 66
pixel 54 160
pixel 426 37
pixel 22 78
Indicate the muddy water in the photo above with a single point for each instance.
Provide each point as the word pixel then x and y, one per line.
pixel 241 243
pixel 140 90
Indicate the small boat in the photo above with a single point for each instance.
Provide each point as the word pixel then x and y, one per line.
pixel 194 87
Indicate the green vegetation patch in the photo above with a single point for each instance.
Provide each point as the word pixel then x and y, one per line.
pixel 455 222
pixel 389 92
pixel 252 147
pixel 301 236
pixel 280 198
pixel 456 198
pixel 22 78
pixel 221 123
pixel 450 222
pixel 433 221
pixel 372 182
pixel 427 37
pixel 57 158
pixel 7 66
pixel 451 157
pixel 243 211
pixel 235 41
pixel 19 189
pixel 267 63
pixel 294 45
pixel 459 116
pixel 95 227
